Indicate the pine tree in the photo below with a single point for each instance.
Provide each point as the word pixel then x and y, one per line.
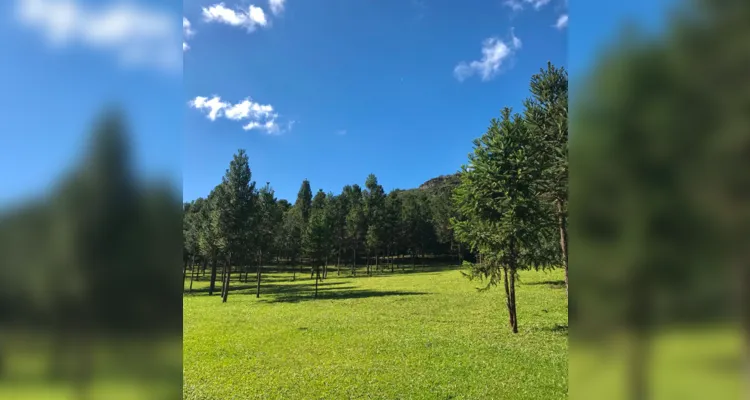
pixel 374 209
pixel 235 213
pixel 546 117
pixel 501 213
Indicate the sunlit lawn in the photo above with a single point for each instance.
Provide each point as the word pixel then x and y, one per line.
pixel 413 335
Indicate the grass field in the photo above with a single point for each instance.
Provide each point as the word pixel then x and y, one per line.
pixel 408 335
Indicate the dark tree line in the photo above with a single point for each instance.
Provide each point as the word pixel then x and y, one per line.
pixel 237 228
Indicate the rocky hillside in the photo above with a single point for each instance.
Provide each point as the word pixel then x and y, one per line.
pixel 442 180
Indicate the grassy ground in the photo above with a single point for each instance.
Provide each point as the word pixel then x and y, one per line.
pixel 413 335
pixel 121 370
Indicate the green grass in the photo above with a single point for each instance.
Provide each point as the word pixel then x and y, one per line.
pixel 121 369
pixel 685 362
pixel 420 335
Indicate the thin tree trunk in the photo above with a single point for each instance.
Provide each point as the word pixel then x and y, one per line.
pixel 193 272
pixel 507 297
pixel 212 287
pixel 184 273
pixel 257 287
pixel 223 279
pixel 563 241
pixel 640 320
pixel 338 262
pixel 638 368
pixel 513 299
pixel 317 278
pixel 377 261
pixel 354 262
pixel 390 259
pixel 229 276
pixel 325 269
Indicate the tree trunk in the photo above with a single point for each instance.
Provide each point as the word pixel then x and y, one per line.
pixel 638 366
pixel 354 262
pixel 223 279
pixel 338 263
pixel 257 286
pixel 229 276
pixel 561 220
pixel 193 272
pixel 377 261
pixel 507 297
pixel 325 269
pixel 184 273
pixel 212 287
pixel 513 299
pixel 317 278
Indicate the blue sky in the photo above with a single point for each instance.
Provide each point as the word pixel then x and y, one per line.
pixel 370 85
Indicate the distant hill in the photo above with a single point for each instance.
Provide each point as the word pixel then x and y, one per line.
pixel 443 180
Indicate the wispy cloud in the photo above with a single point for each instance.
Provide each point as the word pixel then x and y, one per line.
pixel 137 35
pixel 518 5
pixel 562 22
pixel 420 7
pixel 187 32
pixel 341 132
pixel 255 115
pixel 276 6
pixel 495 53
pixel 250 19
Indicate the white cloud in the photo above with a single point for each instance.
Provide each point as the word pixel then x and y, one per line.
pixel 518 5
pixel 495 53
pixel 562 22
pixel 259 116
pixel 137 35
pixel 250 19
pixel 187 32
pixel 270 126
pixel 277 6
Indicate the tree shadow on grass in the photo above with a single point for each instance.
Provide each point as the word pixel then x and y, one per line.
pixel 407 270
pixel 559 329
pixel 557 284
pixel 337 294
pixel 266 288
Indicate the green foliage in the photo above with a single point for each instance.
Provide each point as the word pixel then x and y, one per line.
pixel 497 195
pixel 356 219
pixel 235 209
pixel 375 215
pixel 317 237
pixel 269 220
pixel 304 201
